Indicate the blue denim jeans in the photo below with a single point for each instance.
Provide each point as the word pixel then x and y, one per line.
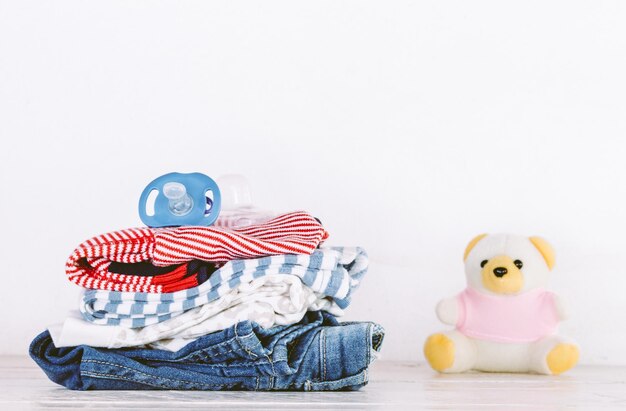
pixel 317 354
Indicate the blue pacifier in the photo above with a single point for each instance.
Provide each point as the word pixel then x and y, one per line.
pixel 180 199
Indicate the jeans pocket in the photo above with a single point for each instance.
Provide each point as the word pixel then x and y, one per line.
pixel 242 345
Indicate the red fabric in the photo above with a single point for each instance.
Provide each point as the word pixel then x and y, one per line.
pixel 292 233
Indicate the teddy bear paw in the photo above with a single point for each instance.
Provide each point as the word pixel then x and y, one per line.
pixel 562 357
pixel 439 351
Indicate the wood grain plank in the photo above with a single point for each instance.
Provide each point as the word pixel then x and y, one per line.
pixel 392 386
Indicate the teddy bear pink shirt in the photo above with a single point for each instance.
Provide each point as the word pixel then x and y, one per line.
pixel 512 318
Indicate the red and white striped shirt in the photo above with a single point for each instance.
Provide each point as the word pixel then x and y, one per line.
pixel 292 233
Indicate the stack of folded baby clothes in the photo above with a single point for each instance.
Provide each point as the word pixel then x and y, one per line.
pixel 213 308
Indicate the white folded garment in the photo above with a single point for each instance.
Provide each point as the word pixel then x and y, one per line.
pixel 269 300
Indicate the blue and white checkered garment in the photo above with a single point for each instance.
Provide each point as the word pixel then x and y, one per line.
pixel 334 272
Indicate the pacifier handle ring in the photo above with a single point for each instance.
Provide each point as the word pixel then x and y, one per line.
pixel 143 201
pixel 216 201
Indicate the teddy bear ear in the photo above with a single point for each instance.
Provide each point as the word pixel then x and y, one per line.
pixel 471 245
pixel 545 249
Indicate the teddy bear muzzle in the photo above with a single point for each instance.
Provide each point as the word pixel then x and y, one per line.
pixel 501 275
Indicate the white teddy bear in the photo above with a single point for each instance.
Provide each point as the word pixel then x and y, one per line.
pixel 505 319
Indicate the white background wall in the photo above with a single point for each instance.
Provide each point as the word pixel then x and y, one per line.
pixel 407 127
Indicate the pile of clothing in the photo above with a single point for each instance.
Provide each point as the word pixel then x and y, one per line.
pixel 213 308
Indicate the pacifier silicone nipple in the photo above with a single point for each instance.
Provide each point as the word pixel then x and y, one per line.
pixel 235 191
pixel 237 207
pixel 179 201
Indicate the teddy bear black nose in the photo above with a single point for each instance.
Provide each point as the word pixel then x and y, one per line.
pixel 500 271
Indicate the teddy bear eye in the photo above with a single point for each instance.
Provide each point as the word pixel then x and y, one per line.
pixel 518 263
pixel 482 263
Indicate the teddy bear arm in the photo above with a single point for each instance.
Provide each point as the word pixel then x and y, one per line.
pixel 448 311
pixel 561 307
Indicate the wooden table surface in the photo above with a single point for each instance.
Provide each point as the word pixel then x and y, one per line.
pixel 392 385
